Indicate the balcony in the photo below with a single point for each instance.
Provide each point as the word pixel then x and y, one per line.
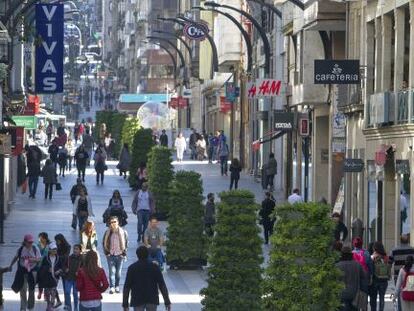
pixel 390 108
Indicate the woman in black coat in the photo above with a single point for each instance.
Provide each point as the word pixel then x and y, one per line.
pixel 267 220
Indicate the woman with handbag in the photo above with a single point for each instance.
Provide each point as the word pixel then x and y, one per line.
pixel 354 278
pixel 82 208
pixel 100 163
pixel 91 282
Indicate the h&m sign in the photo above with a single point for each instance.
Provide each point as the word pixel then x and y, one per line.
pixel 263 88
pixel 336 71
pixel 49 52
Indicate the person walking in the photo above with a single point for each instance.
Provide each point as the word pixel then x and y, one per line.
pixel 48 276
pixel 235 169
pixel 405 277
pixel 341 231
pixel 267 219
pixel 33 156
pixel 49 178
pixel 43 246
pixel 115 208
pixel 108 145
pixel 71 153
pixel 82 208
pixel 124 161
pixel 74 191
pixel 209 215
pixel 62 160
pixel 63 250
pixel 164 139
pixel 211 147
pixel 180 145
pixel 192 143
pixel 271 171
pixel 154 240
pixel 81 159
pixel 143 280
pixel 28 257
pixel 223 155
pixel 100 163
pixel 362 256
pixel 49 131
pixel 89 237
pixel 53 151
pixel 295 197
pixel 201 148
pixel 91 282
pixel 381 275
pixel 353 277
pixel 141 175
pixel 115 244
pixel 69 272
pixel 143 205
pixel 88 143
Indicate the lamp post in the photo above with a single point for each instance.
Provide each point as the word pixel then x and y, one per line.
pixel 244 33
pixel 190 51
pixel 269 6
pixel 169 53
pixel 256 24
pixel 180 54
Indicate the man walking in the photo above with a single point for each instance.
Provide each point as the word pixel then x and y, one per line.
pixel 115 243
pixel 164 139
pixel 192 143
pixel 143 280
pixel 34 156
pixel 153 239
pixel 142 206
pixel 88 143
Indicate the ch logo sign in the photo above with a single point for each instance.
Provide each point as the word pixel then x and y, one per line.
pixel 195 32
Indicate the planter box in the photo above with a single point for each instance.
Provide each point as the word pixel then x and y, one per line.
pixel 191 264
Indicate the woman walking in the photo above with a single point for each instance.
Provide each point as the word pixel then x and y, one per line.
pixel 235 169
pixel 43 245
pixel 141 175
pixel 267 220
pixel 201 147
pixel 124 161
pixel 115 208
pixel 405 276
pixel 91 282
pixel 62 160
pixel 49 178
pixel 71 153
pixel 82 208
pixel 100 163
pixel 81 158
pixel 180 145
pixel 381 275
pixel 63 251
pixel 89 238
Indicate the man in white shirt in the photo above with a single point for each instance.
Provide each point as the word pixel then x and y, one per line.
pixel 295 197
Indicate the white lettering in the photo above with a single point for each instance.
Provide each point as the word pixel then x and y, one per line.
pixel 283 125
pixel 49 49
pixel 49 66
pixel 49 84
pixel 49 30
pixel 49 15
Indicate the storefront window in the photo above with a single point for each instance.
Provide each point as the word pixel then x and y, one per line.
pixel 405 198
pixel 374 211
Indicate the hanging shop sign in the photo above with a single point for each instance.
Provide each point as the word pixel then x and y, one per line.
pixel 284 121
pixel 263 88
pixel 225 105
pixel 353 165
pixel 49 53
pixel 196 31
pixel 402 166
pixel 232 91
pixel 304 128
pixel 336 71
pixel 187 93
pixel 28 122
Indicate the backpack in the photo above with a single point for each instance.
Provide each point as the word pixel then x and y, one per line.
pixel 19 255
pixel 381 268
pixel 407 292
pixel 359 257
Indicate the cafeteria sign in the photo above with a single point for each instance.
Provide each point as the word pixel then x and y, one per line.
pixel 336 71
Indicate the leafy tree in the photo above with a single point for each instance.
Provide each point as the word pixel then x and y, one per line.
pixel 160 175
pixel 141 146
pixel 129 129
pixel 117 124
pixel 235 256
pixel 301 275
pixel 186 241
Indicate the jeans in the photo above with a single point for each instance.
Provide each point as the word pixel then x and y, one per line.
pixel 81 173
pixel 81 221
pixel 193 152
pixel 268 230
pixel 82 308
pixel 147 307
pixel 62 169
pixel 115 268
pixel 269 180
pixel 377 288
pixel 99 175
pixel 24 302
pixel 48 191
pixel 235 181
pixel 223 165
pixel 157 256
pixel 210 153
pixel 143 219
pixel 33 181
pixel 70 287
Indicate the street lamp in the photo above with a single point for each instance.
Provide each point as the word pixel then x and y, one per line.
pixel 169 53
pixel 180 54
pixel 262 32
pixel 179 38
pixel 269 6
pixel 242 30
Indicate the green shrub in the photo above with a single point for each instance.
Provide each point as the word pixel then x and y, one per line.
pixel 301 275
pixel 186 239
pixel 235 256
pixel 117 123
pixel 160 175
pixel 129 129
pixel 141 146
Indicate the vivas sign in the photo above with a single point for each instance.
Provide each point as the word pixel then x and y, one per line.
pixel 49 52
pixel 196 31
pixel 336 71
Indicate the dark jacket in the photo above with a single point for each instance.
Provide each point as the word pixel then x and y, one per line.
pixel 340 227
pixel 81 158
pixel 72 267
pixel 235 171
pixel 271 167
pixel 49 174
pixel 353 278
pixel 143 280
pixel 47 279
pixel 209 214
pixel 74 192
pixel 53 151
pixel 268 207
pixel 164 140
pixel 33 169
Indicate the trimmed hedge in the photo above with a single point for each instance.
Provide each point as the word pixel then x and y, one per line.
pixel 301 275
pixel 141 146
pixel 186 240
pixel 160 175
pixel 235 256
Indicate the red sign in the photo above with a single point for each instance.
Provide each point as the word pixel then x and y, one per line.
pixel 304 127
pixel 225 106
pixel 263 88
pixel 32 105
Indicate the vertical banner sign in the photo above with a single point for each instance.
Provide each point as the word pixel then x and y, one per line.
pixel 49 52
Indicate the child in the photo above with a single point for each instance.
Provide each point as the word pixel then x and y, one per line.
pixel 235 169
pixel 48 275
pixel 3 270
pixel 69 282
